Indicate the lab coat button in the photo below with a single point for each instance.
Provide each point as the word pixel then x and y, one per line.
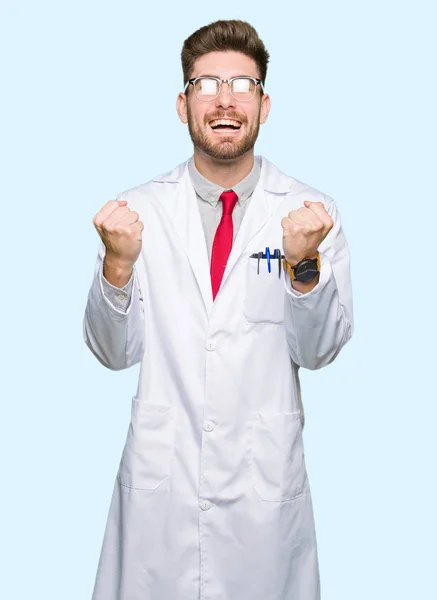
pixel 210 346
pixel 208 426
pixel 205 505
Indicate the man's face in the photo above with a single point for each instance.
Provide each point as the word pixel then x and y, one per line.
pixel 223 143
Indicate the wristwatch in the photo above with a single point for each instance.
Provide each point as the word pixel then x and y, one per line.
pixel 305 270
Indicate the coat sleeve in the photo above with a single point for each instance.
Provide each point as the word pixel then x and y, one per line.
pixel 318 324
pixel 114 336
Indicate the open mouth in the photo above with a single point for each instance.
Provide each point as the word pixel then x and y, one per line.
pixel 225 125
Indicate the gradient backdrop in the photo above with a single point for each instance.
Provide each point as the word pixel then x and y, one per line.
pixel 87 99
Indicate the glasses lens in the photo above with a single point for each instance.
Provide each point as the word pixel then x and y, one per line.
pixel 243 88
pixel 206 89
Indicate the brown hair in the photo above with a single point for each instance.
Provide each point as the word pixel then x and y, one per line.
pixel 221 36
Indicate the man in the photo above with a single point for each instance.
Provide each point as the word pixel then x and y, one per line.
pixel 223 277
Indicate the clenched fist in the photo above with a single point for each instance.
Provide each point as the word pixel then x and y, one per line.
pixel 121 232
pixel 304 231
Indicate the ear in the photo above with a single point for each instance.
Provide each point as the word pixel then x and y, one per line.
pixel 181 107
pixel 265 108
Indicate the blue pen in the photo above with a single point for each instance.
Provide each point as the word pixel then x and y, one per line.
pixel 268 260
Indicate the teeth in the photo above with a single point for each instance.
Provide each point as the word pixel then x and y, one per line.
pixel 228 122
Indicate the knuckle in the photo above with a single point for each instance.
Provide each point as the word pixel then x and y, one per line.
pixel 110 207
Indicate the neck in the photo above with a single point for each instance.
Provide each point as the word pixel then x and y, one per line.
pixel 225 173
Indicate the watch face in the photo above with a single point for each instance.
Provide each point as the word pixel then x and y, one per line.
pixel 306 271
pixel 307 275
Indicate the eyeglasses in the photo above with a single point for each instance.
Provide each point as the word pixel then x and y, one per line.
pixel 207 89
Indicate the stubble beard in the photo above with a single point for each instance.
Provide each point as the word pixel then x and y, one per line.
pixel 225 148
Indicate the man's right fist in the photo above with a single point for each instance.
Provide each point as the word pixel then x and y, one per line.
pixel 120 231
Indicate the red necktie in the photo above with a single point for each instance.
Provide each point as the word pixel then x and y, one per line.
pixel 221 247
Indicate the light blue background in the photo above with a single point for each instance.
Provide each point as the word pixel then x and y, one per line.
pixel 88 97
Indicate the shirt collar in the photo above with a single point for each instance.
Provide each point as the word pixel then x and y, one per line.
pixel 210 192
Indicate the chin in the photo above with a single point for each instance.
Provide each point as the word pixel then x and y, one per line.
pixel 225 154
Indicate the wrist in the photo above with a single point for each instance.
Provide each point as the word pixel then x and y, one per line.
pixel 294 260
pixel 116 271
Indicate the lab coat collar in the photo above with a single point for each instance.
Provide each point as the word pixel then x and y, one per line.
pixel 273 180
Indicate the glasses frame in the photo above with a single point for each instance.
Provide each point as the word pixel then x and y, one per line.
pixel 220 82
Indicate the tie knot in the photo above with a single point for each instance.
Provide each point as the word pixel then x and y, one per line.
pixel 229 200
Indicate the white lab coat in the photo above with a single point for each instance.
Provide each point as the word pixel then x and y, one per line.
pixel 212 499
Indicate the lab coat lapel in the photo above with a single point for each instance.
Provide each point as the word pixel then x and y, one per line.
pixel 181 205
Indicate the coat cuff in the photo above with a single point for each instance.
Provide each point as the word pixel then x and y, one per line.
pixel 119 299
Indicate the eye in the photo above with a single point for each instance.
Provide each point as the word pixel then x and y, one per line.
pixel 206 86
pixel 241 86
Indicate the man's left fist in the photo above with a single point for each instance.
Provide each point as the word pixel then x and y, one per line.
pixel 304 231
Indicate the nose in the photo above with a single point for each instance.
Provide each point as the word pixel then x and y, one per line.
pixel 225 99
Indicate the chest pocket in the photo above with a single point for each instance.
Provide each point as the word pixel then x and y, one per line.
pixel 265 292
pixel 147 454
